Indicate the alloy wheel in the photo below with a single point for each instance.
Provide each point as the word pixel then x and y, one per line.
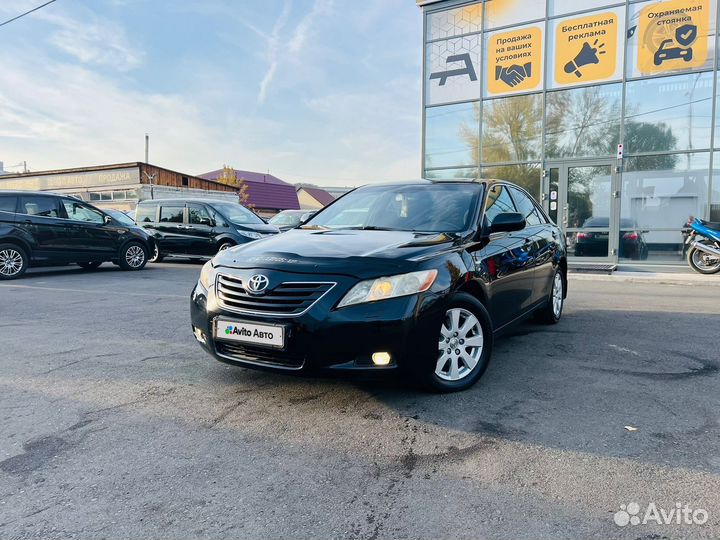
pixel 135 256
pixel 557 295
pixel 460 345
pixel 11 262
pixel 705 261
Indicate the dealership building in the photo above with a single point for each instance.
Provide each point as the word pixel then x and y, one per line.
pixel 606 111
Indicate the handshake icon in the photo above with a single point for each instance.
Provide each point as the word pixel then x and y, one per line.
pixel 513 75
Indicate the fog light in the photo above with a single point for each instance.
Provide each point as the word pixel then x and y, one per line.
pixel 199 334
pixel 381 358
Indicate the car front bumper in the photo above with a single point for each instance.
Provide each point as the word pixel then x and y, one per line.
pixel 324 338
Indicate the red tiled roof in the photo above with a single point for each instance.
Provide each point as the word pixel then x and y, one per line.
pixel 265 191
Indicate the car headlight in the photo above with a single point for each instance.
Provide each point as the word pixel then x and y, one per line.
pixel 251 234
pixel 207 275
pixel 383 288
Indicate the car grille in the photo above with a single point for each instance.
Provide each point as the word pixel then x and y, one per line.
pixel 259 355
pixel 285 300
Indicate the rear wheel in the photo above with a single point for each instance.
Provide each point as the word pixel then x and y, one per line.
pixel 89 265
pixel 703 262
pixel 13 261
pixel 133 256
pixel 464 346
pixel 552 311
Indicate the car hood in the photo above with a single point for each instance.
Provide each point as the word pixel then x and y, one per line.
pixel 349 252
pixel 263 228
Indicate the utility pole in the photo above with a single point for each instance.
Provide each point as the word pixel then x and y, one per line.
pixel 25 167
pixel 147 148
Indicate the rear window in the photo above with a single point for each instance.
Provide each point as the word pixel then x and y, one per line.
pixel 7 203
pixel 146 213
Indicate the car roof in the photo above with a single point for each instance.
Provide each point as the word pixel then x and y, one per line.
pixel 29 192
pixel 182 200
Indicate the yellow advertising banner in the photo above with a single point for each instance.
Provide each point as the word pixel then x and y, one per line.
pixel 673 35
pixel 586 48
pixel 514 61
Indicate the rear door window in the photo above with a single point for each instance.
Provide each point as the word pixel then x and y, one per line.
pixel 197 215
pixel 171 214
pixel 7 203
pixel 146 213
pixel 40 206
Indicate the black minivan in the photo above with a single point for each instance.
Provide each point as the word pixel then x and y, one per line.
pixel 46 228
pixel 198 227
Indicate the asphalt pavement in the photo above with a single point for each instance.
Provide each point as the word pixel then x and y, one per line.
pixel 115 424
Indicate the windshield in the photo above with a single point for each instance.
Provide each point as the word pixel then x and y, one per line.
pixel 237 214
pixel 289 219
pixel 119 216
pixel 422 208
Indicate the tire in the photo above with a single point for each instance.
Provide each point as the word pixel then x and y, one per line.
pixel 551 312
pixel 466 321
pixel 133 256
pixel 695 260
pixel 13 261
pixel 226 245
pixel 156 256
pixel 89 265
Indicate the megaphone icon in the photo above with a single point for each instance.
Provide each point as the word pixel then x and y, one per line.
pixel 587 55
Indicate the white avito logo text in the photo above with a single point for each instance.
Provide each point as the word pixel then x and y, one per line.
pixel 680 514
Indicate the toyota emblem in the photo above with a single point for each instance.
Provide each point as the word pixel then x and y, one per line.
pixel 258 283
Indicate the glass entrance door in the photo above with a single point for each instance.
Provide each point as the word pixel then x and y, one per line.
pixel 583 199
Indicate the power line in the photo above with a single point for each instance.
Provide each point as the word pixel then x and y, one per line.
pixel 26 13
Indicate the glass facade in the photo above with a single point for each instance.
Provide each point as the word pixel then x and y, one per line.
pixel 605 110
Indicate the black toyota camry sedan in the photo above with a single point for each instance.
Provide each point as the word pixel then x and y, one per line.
pixel 414 277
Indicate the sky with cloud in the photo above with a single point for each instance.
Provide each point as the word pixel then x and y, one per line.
pixel 322 91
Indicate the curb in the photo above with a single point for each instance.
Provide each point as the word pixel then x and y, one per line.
pixel 649 279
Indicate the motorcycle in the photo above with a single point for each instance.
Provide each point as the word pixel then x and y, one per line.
pixel 704 252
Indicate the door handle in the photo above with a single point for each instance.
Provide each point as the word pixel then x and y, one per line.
pixel 28 221
pixel 554 234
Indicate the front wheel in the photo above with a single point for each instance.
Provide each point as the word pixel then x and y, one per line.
pixel 703 262
pixel 133 256
pixel 13 261
pixel 464 346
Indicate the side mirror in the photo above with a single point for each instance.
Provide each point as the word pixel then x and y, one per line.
pixel 507 222
pixel 305 218
pixel 107 220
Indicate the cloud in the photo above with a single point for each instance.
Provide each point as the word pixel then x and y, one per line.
pixel 93 41
pixel 273 51
pixel 304 26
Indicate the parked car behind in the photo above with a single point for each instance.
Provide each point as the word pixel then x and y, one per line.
pixel 289 219
pixel 198 227
pixel 595 243
pixel 413 277
pixel 45 228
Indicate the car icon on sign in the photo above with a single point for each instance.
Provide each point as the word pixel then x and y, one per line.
pixel 671 53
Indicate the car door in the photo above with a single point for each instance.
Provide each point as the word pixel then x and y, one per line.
pixel 89 235
pixel 507 261
pixel 41 217
pixel 171 227
pixel 542 246
pixel 200 230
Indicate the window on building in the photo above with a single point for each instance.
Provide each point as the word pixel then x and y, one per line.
pixel 452 135
pixel 454 22
pixel 668 113
pixel 583 121
pixel 505 13
pixel 465 173
pixel 661 42
pixel 563 7
pixel 171 214
pixel 185 181
pixel 498 202
pixel 526 175
pixel 512 129
pixel 453 70
pixel 40 206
